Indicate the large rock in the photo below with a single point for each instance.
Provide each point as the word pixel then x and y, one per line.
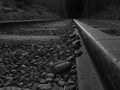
pixel 62 67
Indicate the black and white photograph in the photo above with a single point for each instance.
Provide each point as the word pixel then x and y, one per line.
pixel 59 44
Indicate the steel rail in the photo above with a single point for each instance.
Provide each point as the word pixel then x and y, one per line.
pixel 105 61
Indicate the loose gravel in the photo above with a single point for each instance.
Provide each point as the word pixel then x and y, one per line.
pixel 43 65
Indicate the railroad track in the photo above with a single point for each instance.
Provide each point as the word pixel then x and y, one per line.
pixel 58 55
pixel 102 41
pixel 39 55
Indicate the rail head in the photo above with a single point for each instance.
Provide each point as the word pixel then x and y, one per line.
pixel 29 21
pixel 104 49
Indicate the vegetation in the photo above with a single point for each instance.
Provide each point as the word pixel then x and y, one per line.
pixel 24 9
pixel 111 12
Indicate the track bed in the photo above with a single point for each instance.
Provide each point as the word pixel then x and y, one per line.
pixel 39 56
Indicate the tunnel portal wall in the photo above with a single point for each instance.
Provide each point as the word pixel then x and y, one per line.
pixel 91 7
pixel 94 6
pixel 56 6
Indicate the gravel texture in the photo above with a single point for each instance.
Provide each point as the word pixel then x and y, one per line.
pixel 43 65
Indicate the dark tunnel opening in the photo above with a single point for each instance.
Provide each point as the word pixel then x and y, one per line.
pixel 75 8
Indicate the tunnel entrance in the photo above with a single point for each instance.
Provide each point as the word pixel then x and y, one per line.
pixel 75 8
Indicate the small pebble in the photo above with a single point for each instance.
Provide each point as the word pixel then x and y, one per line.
pixel 1 82
pixel 43 81
pixel 72 35
pixel 43 74
pixel 0 59
pixel 71 87
pixel 24 66
pixel 13 70
pixel 35 86
pixel 74 66
pixel 58 46
pixel 56 80
pixel 55 87
pixel 44 86
pixel 22 71
pixel 50 75
pixel 48 79
pixel 49 70
pixel 73 71
pixel 78 53
pixel 74 77
pixel 21 83
pixel 76 44
pixel 9 78
pixel 68 51
pixel 61 88
pixel 66 77
pixel 10 88
pixel 70 81
pixel 61 83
